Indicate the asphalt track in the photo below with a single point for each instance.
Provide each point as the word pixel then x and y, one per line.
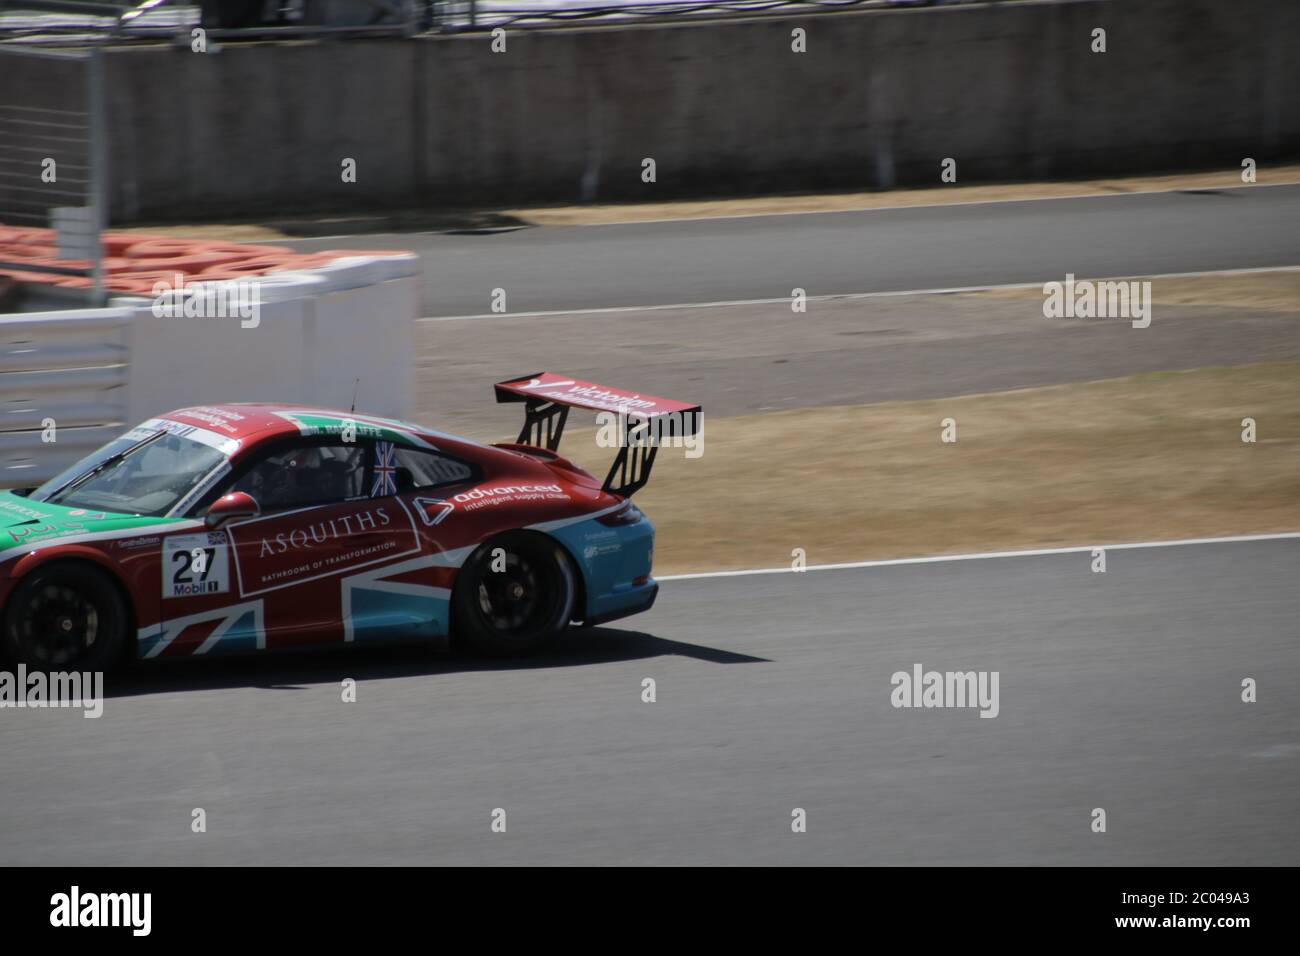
pixel 564 268
pixel 738 360
pixel 1118 690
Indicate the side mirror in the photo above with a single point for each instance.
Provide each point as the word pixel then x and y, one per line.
pixel 231 507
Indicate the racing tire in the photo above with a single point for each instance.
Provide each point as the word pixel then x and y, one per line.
pixel 64 617
pixel 513 602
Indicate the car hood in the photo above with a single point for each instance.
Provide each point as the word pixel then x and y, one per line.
pixel 26 523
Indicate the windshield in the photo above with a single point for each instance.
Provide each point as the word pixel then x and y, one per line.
pixel 145 472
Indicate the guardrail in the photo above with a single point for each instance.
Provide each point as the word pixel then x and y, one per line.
pixel 451 15
pixel 94 22
pixel 65 379
pixel 71 381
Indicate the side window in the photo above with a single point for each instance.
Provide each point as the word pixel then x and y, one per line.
pixel 306 475
pixel 399 469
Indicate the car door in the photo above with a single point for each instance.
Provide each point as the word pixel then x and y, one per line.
pixel 409 597
pixel 274 580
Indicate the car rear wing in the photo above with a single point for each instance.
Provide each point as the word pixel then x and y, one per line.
pixel 644 422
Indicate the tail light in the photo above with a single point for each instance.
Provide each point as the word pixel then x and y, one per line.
pixel 628 514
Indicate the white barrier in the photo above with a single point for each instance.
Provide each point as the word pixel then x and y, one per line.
pixel 95 373
pixel 63 388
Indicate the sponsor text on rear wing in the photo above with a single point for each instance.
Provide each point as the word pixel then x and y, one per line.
pixel 644 421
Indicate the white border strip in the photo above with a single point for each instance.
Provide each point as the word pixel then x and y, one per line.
pixel 942 558
pixel 831 296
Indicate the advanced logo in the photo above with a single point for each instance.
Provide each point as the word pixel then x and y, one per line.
pixel 486 497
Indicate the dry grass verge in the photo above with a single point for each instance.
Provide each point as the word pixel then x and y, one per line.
pixel 1278 290
pixel 270 230
pixel 1147 457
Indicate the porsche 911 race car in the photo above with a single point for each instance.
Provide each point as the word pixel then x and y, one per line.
pixel 249 527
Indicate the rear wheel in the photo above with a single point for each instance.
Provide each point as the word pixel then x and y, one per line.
pixel 515 593
pixel 65 617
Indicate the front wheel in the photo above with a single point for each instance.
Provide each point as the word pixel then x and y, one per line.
pixel 515 593
pixel 65 617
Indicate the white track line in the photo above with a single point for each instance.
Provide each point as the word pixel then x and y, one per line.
pixel 841 295
pixel 942 558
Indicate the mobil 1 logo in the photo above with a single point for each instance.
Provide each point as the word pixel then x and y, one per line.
pixel 195 564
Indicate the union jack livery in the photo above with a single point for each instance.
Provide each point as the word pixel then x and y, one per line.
pixel 251 527
pixel 385 470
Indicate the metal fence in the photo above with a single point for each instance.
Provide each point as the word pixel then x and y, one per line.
pixel 54 157
pixel 63 390
pixel 451 15
pixel 71 21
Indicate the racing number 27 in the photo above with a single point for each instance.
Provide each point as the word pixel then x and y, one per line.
pixel 194 564
pixel 190 563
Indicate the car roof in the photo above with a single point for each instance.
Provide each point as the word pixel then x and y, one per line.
pixel 252 423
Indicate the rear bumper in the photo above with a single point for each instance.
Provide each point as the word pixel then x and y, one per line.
pixel 615 562
pixel 634 602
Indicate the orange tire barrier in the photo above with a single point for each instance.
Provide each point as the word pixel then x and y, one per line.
pixel 134 263
pixel 156 247
pixel 13 234
pixel 194 262
pixel 20 276
pixel 117 244
pixel 257 265
pixel 71 282
pixel 25 251
pixel 55 262
pixel 248 249
pixel 134 284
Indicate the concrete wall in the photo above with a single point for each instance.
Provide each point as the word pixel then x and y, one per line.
pixel 881 97
pixel 96 372
pixel 317 336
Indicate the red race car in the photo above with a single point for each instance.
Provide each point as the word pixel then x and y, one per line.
pixel 232 528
